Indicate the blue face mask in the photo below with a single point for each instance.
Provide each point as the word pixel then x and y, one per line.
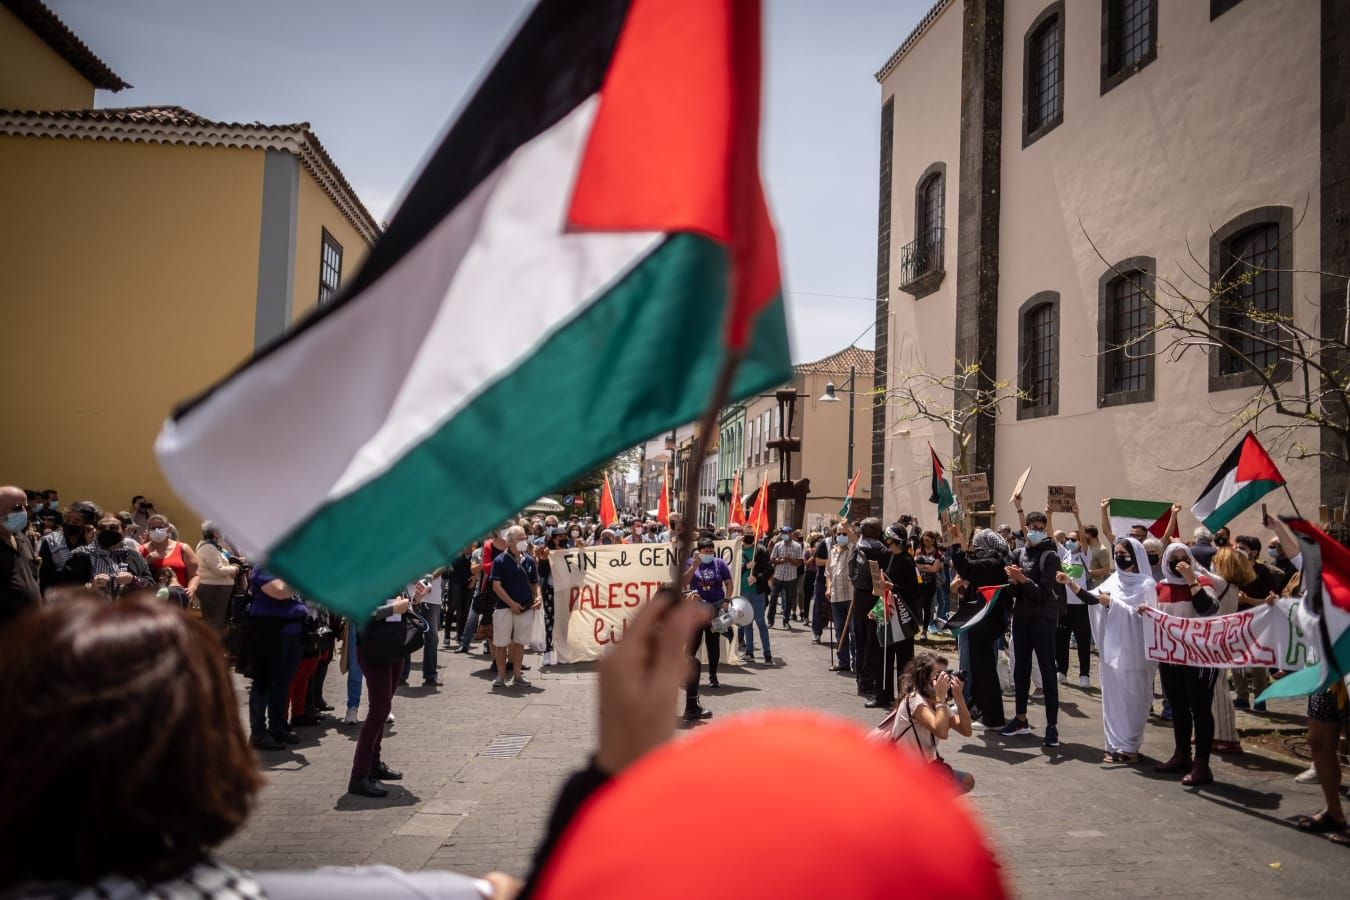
pixel 1035 536
pixel 1071 546
pixel 16 521
pixel 707 558
pixel 841 540
pixel 53 504
pixel 1273 552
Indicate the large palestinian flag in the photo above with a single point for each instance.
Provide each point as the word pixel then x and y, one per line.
pixel 941 486
pixel 1323 613
pixel 1151 514
pixel 566 277
pixel 1247 475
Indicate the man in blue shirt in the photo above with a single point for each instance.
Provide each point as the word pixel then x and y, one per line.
pixel 515 583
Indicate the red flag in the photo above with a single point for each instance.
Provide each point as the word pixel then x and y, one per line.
pixel 759 514
pixel 608 514
pixel 737 505
pixel 663 504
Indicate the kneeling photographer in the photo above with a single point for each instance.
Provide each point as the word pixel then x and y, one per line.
pixel 924 714
pixel 709 577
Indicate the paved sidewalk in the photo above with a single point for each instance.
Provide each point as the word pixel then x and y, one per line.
pixel 1064 823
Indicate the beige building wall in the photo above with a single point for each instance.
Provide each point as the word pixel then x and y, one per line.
pixel 33 75
pixel 1223 121
pixel 315 211
pixel 1149 168
pixel 926 87
pixel 130 283
pixel 823 428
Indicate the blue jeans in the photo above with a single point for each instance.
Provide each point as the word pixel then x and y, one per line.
pixel 787 591
pixel 839 611
pixel 353 668
pixel 470 626
pixel 747 634
pixel 940 600
pixel 432 613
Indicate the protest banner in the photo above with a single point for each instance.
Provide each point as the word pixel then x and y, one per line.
pixel 1060 498
pixel 1020 486
pixel 1262 636
pixel 597 590
pixel 972 489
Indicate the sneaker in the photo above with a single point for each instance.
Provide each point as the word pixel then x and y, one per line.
pixel 548 659
pixel 1063 679
pixel 1015 727
pixel 1051 737
pixel 1307 776
pixel 1083 682
pixel 390 719
pixel 350 718
pixel 1259 706
pixel 744 660
pixel 519 681
pixel 768 660
pixel 498 682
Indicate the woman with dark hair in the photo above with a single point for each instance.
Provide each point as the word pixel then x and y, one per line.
pixel 554 541
pixel 928 562
pixel 924 715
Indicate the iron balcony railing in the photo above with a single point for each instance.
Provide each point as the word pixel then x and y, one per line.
pixel 922 256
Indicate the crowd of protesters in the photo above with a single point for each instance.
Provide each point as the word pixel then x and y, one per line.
pixel 873 593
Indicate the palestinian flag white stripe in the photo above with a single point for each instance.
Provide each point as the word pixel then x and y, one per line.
pixel 424 319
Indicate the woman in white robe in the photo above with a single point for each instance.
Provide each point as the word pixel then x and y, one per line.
pixel 1126 676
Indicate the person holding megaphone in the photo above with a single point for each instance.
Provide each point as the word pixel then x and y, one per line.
pixel 710 578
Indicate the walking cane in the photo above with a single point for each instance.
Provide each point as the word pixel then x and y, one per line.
pixel 848 617
pixel 831 615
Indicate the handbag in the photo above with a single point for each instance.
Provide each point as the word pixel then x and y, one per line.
pixel 384 642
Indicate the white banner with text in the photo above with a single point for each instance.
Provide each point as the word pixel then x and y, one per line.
pixel 1267 636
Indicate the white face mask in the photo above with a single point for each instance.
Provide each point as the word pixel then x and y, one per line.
pixel 522 546
pixel 158 534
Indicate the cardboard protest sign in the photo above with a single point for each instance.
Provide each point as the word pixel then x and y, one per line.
pixel 1021 485
pixel 1262 636
pixel 598 589
pixel 1060 498
pixel 973 489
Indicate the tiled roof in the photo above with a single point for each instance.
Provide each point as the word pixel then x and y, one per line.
pixel 43 22
pixel 176 125
pixel 924 24
pixel 839 363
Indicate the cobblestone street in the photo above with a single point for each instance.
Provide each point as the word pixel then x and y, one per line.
pixel 1063 822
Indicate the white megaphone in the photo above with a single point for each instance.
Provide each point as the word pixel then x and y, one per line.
pixel 742 612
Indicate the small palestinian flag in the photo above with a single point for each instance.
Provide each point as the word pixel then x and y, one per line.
pixel 568 274
pixel 1324 612
pixel 1247 475
pixel 848 496
pixel 942 488
pixel 1151 514
pixel 970 613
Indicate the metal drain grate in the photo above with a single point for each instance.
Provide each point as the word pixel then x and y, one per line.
pixel 506 746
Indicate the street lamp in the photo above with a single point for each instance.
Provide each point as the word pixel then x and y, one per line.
pixel 830 397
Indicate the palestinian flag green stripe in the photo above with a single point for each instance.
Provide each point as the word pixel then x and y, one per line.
pixel 1234 504
pixel 584 392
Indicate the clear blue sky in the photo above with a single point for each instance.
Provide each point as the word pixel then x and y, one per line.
pixel 379 81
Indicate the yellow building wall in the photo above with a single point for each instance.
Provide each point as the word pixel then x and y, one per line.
pixel 33 75
pixel 315 212
pixel 130 283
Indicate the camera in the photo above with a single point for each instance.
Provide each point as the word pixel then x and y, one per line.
pixel 960 675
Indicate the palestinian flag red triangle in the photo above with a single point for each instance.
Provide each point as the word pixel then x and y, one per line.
pixel 973 611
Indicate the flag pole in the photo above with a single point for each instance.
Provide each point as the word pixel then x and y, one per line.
pixel 721 390
pixel 1291 499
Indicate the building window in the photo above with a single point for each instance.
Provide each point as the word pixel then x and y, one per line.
pixel 921 260
pixel 1043 74
pixel 1219 7
pixel 1252 288
pixel 1038 354
pixel 330 267
pixel 1125 333
pixel 1129 38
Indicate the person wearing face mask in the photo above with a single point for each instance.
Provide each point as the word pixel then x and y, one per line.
pixel 1126 675
pixel 1038 605
pixel 839 593
pixel 755 571
pixel 515 583
pixel 1188 591
pixel 1153 549
pixel 165 551
pixel 19 591
pixel 983 566
pixel 1075 623
pixel 77 528
pixel 708 576
pixel 106 565
pixel 903 581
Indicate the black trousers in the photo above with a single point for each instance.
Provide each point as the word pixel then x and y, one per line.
pixel 926 594
pixel 1035 634
pixel 713 642
pixel 457 610
pixel 984 686
pixel 867 649
pixel 1190 690
pixel 1075 623
pixel 314 694
pixel 893 661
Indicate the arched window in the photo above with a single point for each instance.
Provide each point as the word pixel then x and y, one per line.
pixel 930 209
pixel 1038 353
pixel 921 260
pixel 1125 333
pixel 1129 38
pixel 1043 74
pixel 1250 258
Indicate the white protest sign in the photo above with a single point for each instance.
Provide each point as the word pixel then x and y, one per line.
pixel 597 590
pixel 1262 636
